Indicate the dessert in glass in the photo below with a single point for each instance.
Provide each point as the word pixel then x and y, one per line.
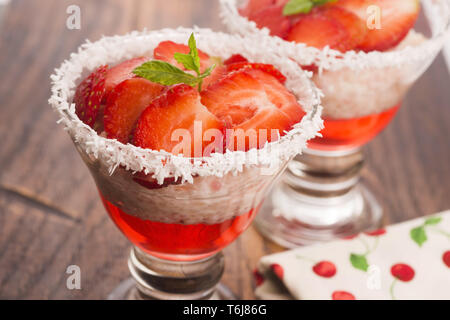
pixel 183 144
pixel 364 55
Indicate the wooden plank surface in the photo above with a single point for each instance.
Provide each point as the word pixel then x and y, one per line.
pixel 50 214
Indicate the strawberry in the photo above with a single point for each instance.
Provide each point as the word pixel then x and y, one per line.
pixel 245 100
pixel 165 51
pixel 151 183
pixel 125 104
pixel 268 68
pixel 235 58
pixel 397 19
pixel 272 18
pixel 280 96
pixel 121 72
pixel 217 73
pixel 255 5
pixel 89 95
pixel 178 111
pixel 355 26
pixel 318 30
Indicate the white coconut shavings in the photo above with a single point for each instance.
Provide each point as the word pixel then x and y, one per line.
pixel 112 50
pixel 329 59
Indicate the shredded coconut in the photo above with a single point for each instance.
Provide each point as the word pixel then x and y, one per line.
pixel 357 84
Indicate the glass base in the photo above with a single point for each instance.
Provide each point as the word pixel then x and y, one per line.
pixel 127 290
pixel 158 279
pixel 318 220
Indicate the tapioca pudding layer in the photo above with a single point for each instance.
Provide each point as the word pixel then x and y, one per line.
pixel 354 93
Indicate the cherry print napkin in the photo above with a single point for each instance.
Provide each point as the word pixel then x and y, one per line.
pixel 410 260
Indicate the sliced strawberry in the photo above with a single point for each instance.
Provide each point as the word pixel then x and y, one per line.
pixel 172 122
pixel 311 67
pixel 355 26
pixel 235 58
pixel 265 125
pixel 235 98
pixel 281 2
pixel 89 95
pixel 318 30
pixel 268 68
pixel 245 100
pixel 122 71
pixel 280 96
pixel 272 18
pixel 125 104
pixel 254 5
pixel 397 19
pixel 151 183
pixel 165 51
pixel 218 73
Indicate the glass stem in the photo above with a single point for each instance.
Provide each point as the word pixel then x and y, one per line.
pixel 174 280
pixel 319 198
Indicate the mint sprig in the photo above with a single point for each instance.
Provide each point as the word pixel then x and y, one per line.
pixel 167 74
pixel 302 6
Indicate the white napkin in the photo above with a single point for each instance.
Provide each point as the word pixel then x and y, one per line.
pixel 410 260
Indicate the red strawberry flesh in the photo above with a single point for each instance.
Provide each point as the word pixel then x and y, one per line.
pixel 246 100
pixel 268 68
pixel 122 71
pixel 175 112
pixel 254 5
pixel 318 30
pixel 165 52
pixel 272 18
pixel 397 19
pixel 125 104
pixel 235 58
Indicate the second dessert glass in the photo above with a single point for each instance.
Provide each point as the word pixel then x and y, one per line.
pixel 319 198
pixel 178 228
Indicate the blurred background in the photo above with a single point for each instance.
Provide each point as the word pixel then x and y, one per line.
pixel 50 214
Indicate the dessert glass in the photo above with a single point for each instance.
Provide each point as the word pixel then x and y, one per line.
pixel 178 228
pixel 319 197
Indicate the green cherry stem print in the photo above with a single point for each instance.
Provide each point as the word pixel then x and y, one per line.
pixel 402 272
pixel 419 234
pixel 359 261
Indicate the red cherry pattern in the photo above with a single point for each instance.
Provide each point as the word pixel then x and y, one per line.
pixel 342 295
pixel 446 258
pixel 325 269
pixel 376 233
pixel 351 237
pixel 277 270
pixel 259 278
pixel 402 272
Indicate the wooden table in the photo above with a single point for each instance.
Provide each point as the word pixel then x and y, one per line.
pixel 50 214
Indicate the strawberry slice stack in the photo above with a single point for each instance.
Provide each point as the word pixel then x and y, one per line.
pixel 341 24
pixel 211 109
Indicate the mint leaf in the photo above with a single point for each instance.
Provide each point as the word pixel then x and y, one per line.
pixel 302 6
pixel 167 74
pixel 190 61
pixel 186 60
pixel 204 75
pixel 433 221
pixel 359 261
pixel 207 72
pixel 419 235
pixel 193 52
pixel 297 6
pixel 164 73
